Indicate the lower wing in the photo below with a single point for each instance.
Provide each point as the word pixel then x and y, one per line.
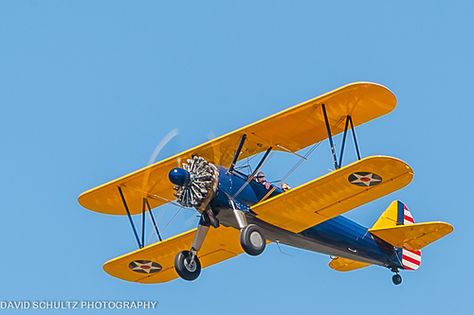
pixel 155 263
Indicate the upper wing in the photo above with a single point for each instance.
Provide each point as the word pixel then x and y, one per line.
pixel 335 193
pixel 413 236
pixel 290 130
pixel 220 244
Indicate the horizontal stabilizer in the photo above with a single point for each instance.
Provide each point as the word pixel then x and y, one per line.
pixel 413 236
pixel 344 264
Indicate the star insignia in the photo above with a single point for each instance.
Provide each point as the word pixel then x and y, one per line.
pixel 364 179
pixel 144 266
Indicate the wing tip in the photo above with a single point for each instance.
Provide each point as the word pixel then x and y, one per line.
pixel 390 98
pixel 85 200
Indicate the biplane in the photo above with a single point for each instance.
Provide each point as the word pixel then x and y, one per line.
pixel 241 215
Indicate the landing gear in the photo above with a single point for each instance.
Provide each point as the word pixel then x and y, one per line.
pixel 187 265
pixel 396 279
pixel 252 240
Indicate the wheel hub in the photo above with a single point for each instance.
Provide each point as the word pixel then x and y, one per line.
pixel 256 239
pixel 190 264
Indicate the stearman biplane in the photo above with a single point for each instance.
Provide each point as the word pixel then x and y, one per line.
pixel 239 214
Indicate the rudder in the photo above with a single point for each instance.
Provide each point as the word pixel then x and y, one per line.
pixel 411 260
pixel 397 213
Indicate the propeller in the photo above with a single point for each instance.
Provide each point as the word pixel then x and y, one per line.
pixel 193 196
pixel 195 181
pixel 164 141
pixel 154 155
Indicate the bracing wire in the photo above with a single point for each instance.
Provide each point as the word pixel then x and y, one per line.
pixel 281 251
pixel 172 218
pixel 297 164
pixel 293 169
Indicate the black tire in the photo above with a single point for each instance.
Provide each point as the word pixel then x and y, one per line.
pixel 183 267
pixel 396 279
pixel 252 240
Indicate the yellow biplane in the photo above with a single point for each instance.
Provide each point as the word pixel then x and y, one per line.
pixel 240 212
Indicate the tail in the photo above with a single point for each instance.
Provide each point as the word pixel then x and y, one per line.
pixel 397 227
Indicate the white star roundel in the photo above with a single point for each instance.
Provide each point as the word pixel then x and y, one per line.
pixel 144 266
pixel 364 179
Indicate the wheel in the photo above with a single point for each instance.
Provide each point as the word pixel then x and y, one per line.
pixel 187 269
pixel 396 279
pixel 252 240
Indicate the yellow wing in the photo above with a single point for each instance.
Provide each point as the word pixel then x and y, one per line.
pixel 290 130
pixel 413 236
pixel 335 193
pixel 344 264
pixel 155 263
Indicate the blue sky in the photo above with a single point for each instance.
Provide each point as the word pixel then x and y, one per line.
pixel 88 89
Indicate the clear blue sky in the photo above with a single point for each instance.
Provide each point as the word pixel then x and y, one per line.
pixel 88 89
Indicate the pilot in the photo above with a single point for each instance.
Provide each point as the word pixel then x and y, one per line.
pixel 285 187
pixel 261 180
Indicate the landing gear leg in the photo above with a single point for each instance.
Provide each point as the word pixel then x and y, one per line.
pixel 187 263
pixel 212 218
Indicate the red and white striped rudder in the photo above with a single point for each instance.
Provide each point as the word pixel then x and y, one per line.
pixel 411 259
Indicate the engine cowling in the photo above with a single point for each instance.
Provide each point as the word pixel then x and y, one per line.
pixel 195 182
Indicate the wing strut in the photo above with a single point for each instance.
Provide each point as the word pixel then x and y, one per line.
pixel 140 245
pixel 354 137
pixel 259 165
pixel 349 122
pixel 145 207
pixel 152 219
pixel 237 152
pixel 143 223
pixel 251 176
pixel 331 143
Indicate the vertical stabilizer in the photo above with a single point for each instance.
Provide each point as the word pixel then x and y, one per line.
pixel 397 213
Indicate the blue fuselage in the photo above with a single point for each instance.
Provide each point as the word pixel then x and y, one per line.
pixel 338 236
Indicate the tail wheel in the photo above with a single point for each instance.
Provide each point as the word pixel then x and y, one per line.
pixel 252 240
pixel 396 279
pixel 187 267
